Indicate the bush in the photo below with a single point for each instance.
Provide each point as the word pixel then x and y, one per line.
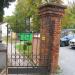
pixel 25 46
pixel 29 43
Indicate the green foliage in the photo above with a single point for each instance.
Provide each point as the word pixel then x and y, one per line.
pixel 24 49
pixel 69 18
pixel 16 23
pixel 4 3
pixel 1 10
pixel 24 9
pixel 25 46
pixel 29 43
pixel 7 2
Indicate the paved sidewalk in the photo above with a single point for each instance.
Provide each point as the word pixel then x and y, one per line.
pixel 67 61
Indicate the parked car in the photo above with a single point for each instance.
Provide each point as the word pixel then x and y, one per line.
pixel 72 43
pixel 65 40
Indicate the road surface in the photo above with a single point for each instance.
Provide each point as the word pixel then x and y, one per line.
pixel 67 61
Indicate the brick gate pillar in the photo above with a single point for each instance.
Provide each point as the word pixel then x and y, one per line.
pixel 50 18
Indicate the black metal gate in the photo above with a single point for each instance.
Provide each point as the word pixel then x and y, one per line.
pixel 24 51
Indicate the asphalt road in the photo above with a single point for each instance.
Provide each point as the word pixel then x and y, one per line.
pixel 67 61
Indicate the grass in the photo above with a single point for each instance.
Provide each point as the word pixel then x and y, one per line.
pixel 25 51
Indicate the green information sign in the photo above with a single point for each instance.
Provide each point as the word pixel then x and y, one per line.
pixel 25 36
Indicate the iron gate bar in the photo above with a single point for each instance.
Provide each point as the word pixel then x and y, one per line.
pixel 34 68
pixel 11 50
pixel 29 70
pixel 32 65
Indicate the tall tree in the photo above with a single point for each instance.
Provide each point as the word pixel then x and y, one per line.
pixel 24 9
pixel 69 18
pixel 27 8
pixel 4 3
pixel 1 9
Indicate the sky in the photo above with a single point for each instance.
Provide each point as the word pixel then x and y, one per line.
pixel 9 11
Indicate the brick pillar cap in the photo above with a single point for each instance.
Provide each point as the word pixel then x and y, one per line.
pixel 52 5
pixel 52 9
